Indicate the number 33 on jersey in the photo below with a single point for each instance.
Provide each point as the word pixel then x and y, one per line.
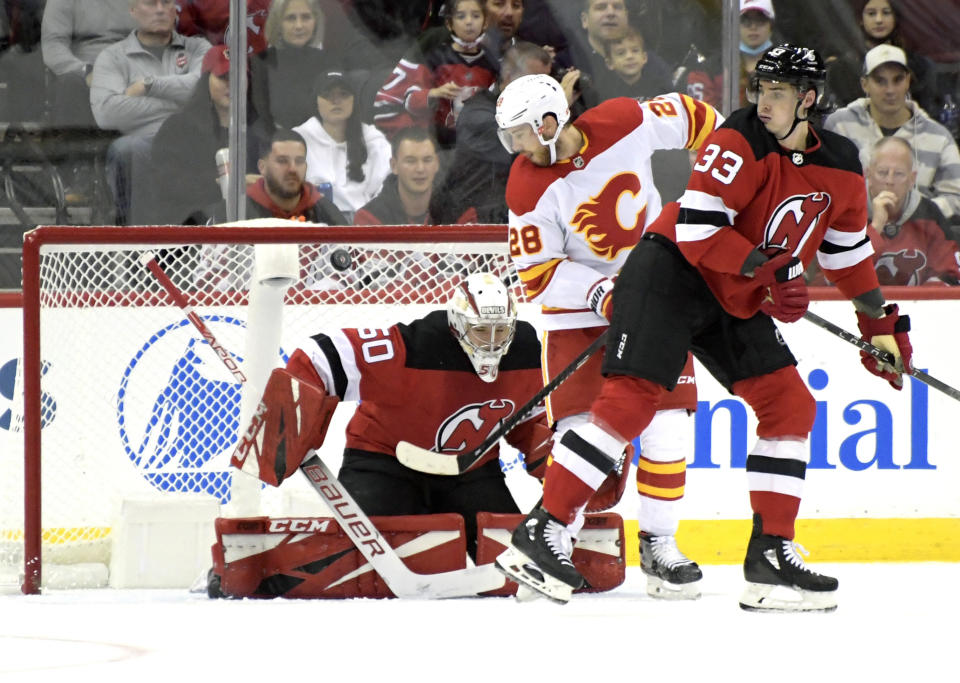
pixel 575 221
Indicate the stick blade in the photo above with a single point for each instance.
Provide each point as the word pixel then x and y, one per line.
pixel 430 462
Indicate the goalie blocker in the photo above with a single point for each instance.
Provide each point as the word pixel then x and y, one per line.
pixel 311 557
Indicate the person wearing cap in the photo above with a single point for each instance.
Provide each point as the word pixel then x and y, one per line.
pixel 887 110
pixel 879 22
pixel 136 84
pixel 183 164
pixel 349 158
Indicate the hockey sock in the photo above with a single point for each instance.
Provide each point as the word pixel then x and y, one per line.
pixel 627 404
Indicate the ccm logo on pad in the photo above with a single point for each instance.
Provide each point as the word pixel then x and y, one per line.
pixel 298 525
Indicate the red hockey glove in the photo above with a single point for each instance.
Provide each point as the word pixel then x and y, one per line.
pixel 888 333
pixel 787 297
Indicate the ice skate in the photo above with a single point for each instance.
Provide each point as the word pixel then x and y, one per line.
pixel 539 557
pixel 778 579
pixel 671 575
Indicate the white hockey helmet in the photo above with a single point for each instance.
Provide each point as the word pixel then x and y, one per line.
pixel 482 315
pixel 529 99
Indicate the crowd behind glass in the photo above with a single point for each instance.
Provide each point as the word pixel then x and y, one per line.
pixel 378 111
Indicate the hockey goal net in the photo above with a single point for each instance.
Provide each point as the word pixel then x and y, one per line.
pixel 121 395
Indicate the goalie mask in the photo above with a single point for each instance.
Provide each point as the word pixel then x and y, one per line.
pixel 528 100
pixel 482 315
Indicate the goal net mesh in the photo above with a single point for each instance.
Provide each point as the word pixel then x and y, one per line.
pixel 134 402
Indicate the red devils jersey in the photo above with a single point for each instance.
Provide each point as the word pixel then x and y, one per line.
pixel 918 252
pixel 416 384
pixel 746 191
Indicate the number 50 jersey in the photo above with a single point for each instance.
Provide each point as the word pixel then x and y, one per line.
pixel 574 222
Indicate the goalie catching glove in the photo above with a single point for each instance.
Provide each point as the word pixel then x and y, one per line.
pixel 889 333
pixel 291 418
pixel 786 298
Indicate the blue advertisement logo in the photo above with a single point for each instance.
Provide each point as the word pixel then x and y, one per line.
pixel 192 418
pixel 10 420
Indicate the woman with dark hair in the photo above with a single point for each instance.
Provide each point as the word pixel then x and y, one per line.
pixel 879 22
pixel 345 156
pixel 183 155
pixel 295 33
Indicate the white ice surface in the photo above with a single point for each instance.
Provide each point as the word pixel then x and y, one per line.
pixel 896 622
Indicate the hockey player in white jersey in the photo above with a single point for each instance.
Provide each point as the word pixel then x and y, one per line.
pixel 580 195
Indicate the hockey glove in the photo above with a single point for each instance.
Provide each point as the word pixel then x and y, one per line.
pixel 787 297
pixel 889 333
pixel 600 298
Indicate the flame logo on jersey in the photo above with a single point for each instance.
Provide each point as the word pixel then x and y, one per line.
pixel 901 267
pixel 794 221
pixel 598 221
pixel 468 427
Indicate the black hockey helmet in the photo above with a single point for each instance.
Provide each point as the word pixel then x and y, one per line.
pixel 799 66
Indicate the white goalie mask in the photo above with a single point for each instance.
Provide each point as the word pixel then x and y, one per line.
pixel 482 315
pixel 527 100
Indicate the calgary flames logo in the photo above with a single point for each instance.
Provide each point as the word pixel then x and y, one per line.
pixel 598 220
pixel 469 426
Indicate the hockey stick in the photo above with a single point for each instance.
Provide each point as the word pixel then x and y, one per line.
pixel 880 354
pixel 431 462
pixel 402 581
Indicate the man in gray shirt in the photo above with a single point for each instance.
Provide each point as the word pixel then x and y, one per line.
pixel 72 35
pixel 137 83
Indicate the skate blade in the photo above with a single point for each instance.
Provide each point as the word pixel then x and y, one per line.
pixel 664 590
pixel 518 567
pixel 762 597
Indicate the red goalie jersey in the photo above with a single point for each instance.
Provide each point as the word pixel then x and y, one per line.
pixel 414 383
pixel 746 191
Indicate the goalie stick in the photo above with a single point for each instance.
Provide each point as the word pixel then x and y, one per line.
pixel 402 581
pixel 879 354
pixel 431 462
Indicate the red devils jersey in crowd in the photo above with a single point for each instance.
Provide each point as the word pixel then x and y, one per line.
pixel 918 251
pixel 211 18
pixel 747 191
pixel 415 383
pixel 403 100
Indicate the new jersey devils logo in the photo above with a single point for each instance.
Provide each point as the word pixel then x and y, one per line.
pixel 469 426
pixel 598 218
pixel 901 267
pixel 794 221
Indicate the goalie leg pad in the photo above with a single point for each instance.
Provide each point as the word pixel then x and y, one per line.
pixel 311 557
pixel 599 552
pixel 291 418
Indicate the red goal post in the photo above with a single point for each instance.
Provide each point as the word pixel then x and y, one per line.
pixel 106 414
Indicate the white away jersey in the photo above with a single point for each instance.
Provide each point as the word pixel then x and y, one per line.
pixel 573 223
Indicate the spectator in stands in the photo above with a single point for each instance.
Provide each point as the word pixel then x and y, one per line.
pixel 183 155
pixel 503 22
pixel 429 89
pixel 295 54
pixel 137 83
pixel 911 239
pixel 477 177
pixel 405 197
pixel 602 21
pixel 626 58
pixel 879 23
pixel 345 156
pixel 887 110
pixel 282 191
pixel 72 35
pixel 211 18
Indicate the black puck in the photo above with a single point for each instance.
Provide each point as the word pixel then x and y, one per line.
pixel 340 259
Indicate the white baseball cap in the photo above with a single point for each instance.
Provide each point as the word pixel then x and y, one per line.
pixel 884 53
pixel 763 6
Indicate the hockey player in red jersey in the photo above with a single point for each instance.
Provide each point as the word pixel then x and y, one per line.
pixel 769 192
pixel 444 382
pixel 580 194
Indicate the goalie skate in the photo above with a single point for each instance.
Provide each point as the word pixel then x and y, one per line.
pixel 671 575
pixel 778 580
pixel 539 557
